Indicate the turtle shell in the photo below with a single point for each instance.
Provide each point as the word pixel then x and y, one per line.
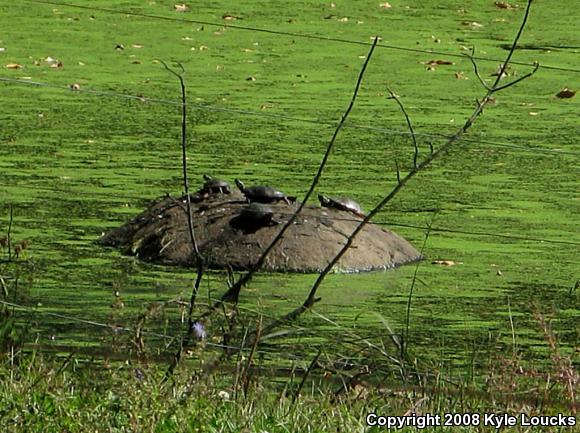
pixel 261 193
pixel 213 184
pixel 257 212
pixel 253 217
pixel 341 203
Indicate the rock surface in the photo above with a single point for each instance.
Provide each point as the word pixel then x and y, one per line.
pixel 160 234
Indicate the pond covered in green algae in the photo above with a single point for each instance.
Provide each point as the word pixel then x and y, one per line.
pixel 264 106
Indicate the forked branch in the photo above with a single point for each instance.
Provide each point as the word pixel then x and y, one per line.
pixel 417 168
pixel 411 130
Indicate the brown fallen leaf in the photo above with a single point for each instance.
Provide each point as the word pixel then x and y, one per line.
pixel 119 47
pixel 461 76
pixel 250 78
pixel 56 65
pixel 503 5
pixel 438 62
pixel 385 5
pixel 229 17
pixel 566 93
pixel 137 46
pixel 181 7
pixel 14 66
pixel 75 87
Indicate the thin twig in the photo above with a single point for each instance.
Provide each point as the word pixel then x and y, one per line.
pixel 513 48
pixel 306 374
pixel 409 124
pixel 198 257
pixel 8 234
pixel 398 171
pixel 239 365
pixel 246 375
pixel 411 289
pixel 476 70
pixel 529 74
pixel 233 293
pixel 512 327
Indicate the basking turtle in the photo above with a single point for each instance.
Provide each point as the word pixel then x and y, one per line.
pixel 263 194
pixel 258 214
pixel 253 217
pixel 213 185
pixel 341 203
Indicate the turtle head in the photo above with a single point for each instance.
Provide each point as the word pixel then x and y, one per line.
pixel 323 199
pixel 207 177
pixel 240 184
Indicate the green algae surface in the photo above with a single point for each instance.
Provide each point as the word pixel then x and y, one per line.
pixel 79 158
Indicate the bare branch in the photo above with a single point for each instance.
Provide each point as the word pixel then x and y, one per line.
pixel 411 289
pixel 514 45
pixel 246 373
pixel 306 374
pixel 476 71
pixel 409 124
pixel 529 74
pixel 9 233
pixel 311 299
pixel 233 293
pixel 198 256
